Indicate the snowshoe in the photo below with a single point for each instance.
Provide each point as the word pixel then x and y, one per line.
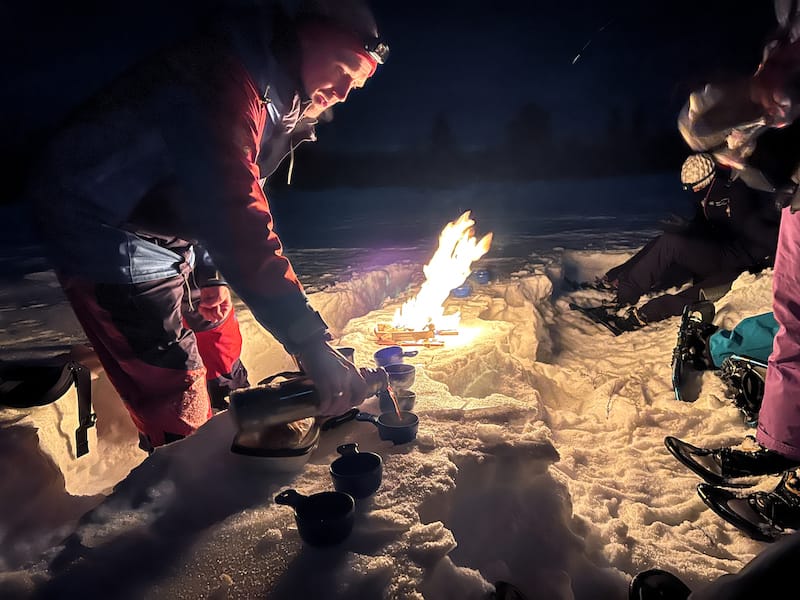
pixel 762 516
pixel 692 346
pixel 723 466
pixel 656 584
pixel 606 316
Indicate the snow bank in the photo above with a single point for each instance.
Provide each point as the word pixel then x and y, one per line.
pixel 539 460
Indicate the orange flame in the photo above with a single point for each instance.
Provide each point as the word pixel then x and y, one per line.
pixel 448 269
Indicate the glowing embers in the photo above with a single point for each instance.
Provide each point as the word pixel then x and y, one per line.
pixel 421 320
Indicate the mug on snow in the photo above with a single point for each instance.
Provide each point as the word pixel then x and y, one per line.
pixel 323 519
pixel 356 473
pixel 391 427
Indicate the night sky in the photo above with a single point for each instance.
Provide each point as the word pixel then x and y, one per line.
pixel 475 61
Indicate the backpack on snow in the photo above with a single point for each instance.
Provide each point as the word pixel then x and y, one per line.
pixel 28 383
pixel 752 337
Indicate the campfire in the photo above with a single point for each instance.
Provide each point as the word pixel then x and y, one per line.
pixel 421 321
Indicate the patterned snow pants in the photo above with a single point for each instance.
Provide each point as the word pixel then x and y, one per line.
pixel 165 361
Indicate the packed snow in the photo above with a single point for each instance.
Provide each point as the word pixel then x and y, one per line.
pixel 539 458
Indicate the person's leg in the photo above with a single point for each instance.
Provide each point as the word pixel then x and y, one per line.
pixel 220 346
pixel 699 257
pixel 672 305
pixel 769 575
pixel 150 357
pixel 619 271
pixel 779 416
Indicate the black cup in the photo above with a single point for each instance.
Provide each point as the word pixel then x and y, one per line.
pixel 356 473
pixel 401 376
pixel 406 399
pixel 392 428
pixel 323 519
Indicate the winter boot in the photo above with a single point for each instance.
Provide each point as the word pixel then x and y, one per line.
pixel 631 320
pixel 602 284
pixel 656 584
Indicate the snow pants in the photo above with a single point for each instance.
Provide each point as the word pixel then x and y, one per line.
pixel 779 417
pixel 672 305
pixel 161 356
pixel 673 259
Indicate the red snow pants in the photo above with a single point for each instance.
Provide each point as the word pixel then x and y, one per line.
pixel 160 355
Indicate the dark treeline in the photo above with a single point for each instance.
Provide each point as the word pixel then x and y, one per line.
pixel 529 150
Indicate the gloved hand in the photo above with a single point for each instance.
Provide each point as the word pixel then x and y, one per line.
pixel 215 303
pixel 339 383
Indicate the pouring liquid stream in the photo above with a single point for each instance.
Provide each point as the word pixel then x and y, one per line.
pixel 394 401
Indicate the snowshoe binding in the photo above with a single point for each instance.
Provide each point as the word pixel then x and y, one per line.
pixel 692 346
pixel 744 379
pixel 762 516
pixel 724 466
pixel 606 316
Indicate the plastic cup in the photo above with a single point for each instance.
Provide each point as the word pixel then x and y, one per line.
pixel 391 355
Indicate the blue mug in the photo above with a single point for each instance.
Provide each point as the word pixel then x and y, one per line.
pixel 482 276
pixel 462 291
pixel 391 355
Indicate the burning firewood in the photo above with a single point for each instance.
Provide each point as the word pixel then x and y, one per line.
pixel 421 319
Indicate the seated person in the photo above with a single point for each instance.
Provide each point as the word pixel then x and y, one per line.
pixel 735 229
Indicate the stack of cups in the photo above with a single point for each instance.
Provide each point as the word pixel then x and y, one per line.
pixel 401 378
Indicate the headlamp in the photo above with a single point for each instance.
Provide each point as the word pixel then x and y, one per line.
pixel 377 49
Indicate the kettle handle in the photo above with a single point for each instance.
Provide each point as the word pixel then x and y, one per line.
pixel 290 497
pixel 347 449
pixel 339 419
pixel 285 374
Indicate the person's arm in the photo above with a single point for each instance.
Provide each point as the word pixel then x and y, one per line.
pixel 214 144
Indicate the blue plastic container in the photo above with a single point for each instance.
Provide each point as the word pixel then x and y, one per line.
pixel 482 276
pixel 462 291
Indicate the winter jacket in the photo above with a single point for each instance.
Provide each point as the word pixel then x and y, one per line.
pixel 738 215
pixel 169 154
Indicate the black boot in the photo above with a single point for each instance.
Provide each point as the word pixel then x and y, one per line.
pixel 656 584
pixel 631 320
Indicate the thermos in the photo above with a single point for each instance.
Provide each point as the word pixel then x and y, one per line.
pixel 296 397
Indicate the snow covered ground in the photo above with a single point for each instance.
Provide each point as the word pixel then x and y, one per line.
pixel 539 459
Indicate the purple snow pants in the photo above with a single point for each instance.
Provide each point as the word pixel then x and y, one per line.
pixel 779 416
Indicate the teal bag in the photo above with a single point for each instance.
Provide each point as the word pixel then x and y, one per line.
pixel 752 338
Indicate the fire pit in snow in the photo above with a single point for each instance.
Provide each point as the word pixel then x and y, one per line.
pixel 421 320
